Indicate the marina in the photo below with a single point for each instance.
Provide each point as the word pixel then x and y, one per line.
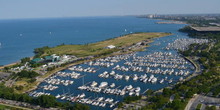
pixel 106 81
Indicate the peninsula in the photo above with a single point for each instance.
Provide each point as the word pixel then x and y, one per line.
pixel 99 48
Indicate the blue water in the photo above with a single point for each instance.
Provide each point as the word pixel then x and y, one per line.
pixel 18 38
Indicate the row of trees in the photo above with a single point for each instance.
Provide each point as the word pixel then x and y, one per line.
pixel 43 101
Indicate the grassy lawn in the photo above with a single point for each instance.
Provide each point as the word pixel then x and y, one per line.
pixel 99 47
pixel 26 85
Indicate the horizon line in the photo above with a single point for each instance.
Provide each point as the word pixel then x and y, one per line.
pixel 29 18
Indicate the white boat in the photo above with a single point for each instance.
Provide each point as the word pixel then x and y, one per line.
pixel 63 97
pixel 135 77
pixel 112 73
pixel 171 80
pixel 103 84
pixel 82 95
pixel 100 99
pixel 127 77
pixel 181 78
pixel 112 85
pixel 122 92
pixel 137 94
pixel 161 81
pixel 129 87
pixel 58 96
pixel 94 84
pixel 137 89
pixel 131 93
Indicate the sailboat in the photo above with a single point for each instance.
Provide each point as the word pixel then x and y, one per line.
pixel 125 30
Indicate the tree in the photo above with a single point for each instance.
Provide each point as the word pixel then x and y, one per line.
pixel 27 74
pixel 210 108
pixel 167 92
pixel 149 92
pixel 24 60
pixel 46 101
pixel 78 106
pixel 176 105
pixel 189 94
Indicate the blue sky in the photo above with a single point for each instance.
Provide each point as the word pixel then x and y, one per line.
pixel 12 9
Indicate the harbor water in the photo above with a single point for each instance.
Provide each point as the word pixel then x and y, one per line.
pixel 88 77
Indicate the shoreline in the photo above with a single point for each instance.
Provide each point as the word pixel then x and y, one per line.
pixel 7 65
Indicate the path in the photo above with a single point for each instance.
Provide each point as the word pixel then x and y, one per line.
pixel 201 99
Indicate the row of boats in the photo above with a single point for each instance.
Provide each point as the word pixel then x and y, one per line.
pixel 72 74
pixel 167 71
pixel 143 78
pixel 103 64
pixel 97 101
pixel 80 98
pixel 104 88
pixel 49 87
pixel 38 94
pixel 83 69
pixel 158 65
pixel 57 81
pixel 183 44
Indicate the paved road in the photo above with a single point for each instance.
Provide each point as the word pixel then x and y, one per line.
pixel 200 99
pixel 23 105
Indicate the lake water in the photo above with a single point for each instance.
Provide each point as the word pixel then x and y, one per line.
pixel 19 37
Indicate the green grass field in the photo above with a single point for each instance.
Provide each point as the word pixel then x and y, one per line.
pixel 99 47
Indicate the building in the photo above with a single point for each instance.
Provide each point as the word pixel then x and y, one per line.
pixel 110 47
pixel 37 60
pixel 52 58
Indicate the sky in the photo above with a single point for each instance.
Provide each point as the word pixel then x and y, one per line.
pixel 16 9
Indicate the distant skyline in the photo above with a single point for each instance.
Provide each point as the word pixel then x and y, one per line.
pixel 17 9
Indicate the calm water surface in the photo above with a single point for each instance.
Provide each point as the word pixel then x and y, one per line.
pixel 18 38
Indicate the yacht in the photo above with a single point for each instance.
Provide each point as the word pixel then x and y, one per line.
pixel 94 84
pixel 112 85
pixel 103 84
